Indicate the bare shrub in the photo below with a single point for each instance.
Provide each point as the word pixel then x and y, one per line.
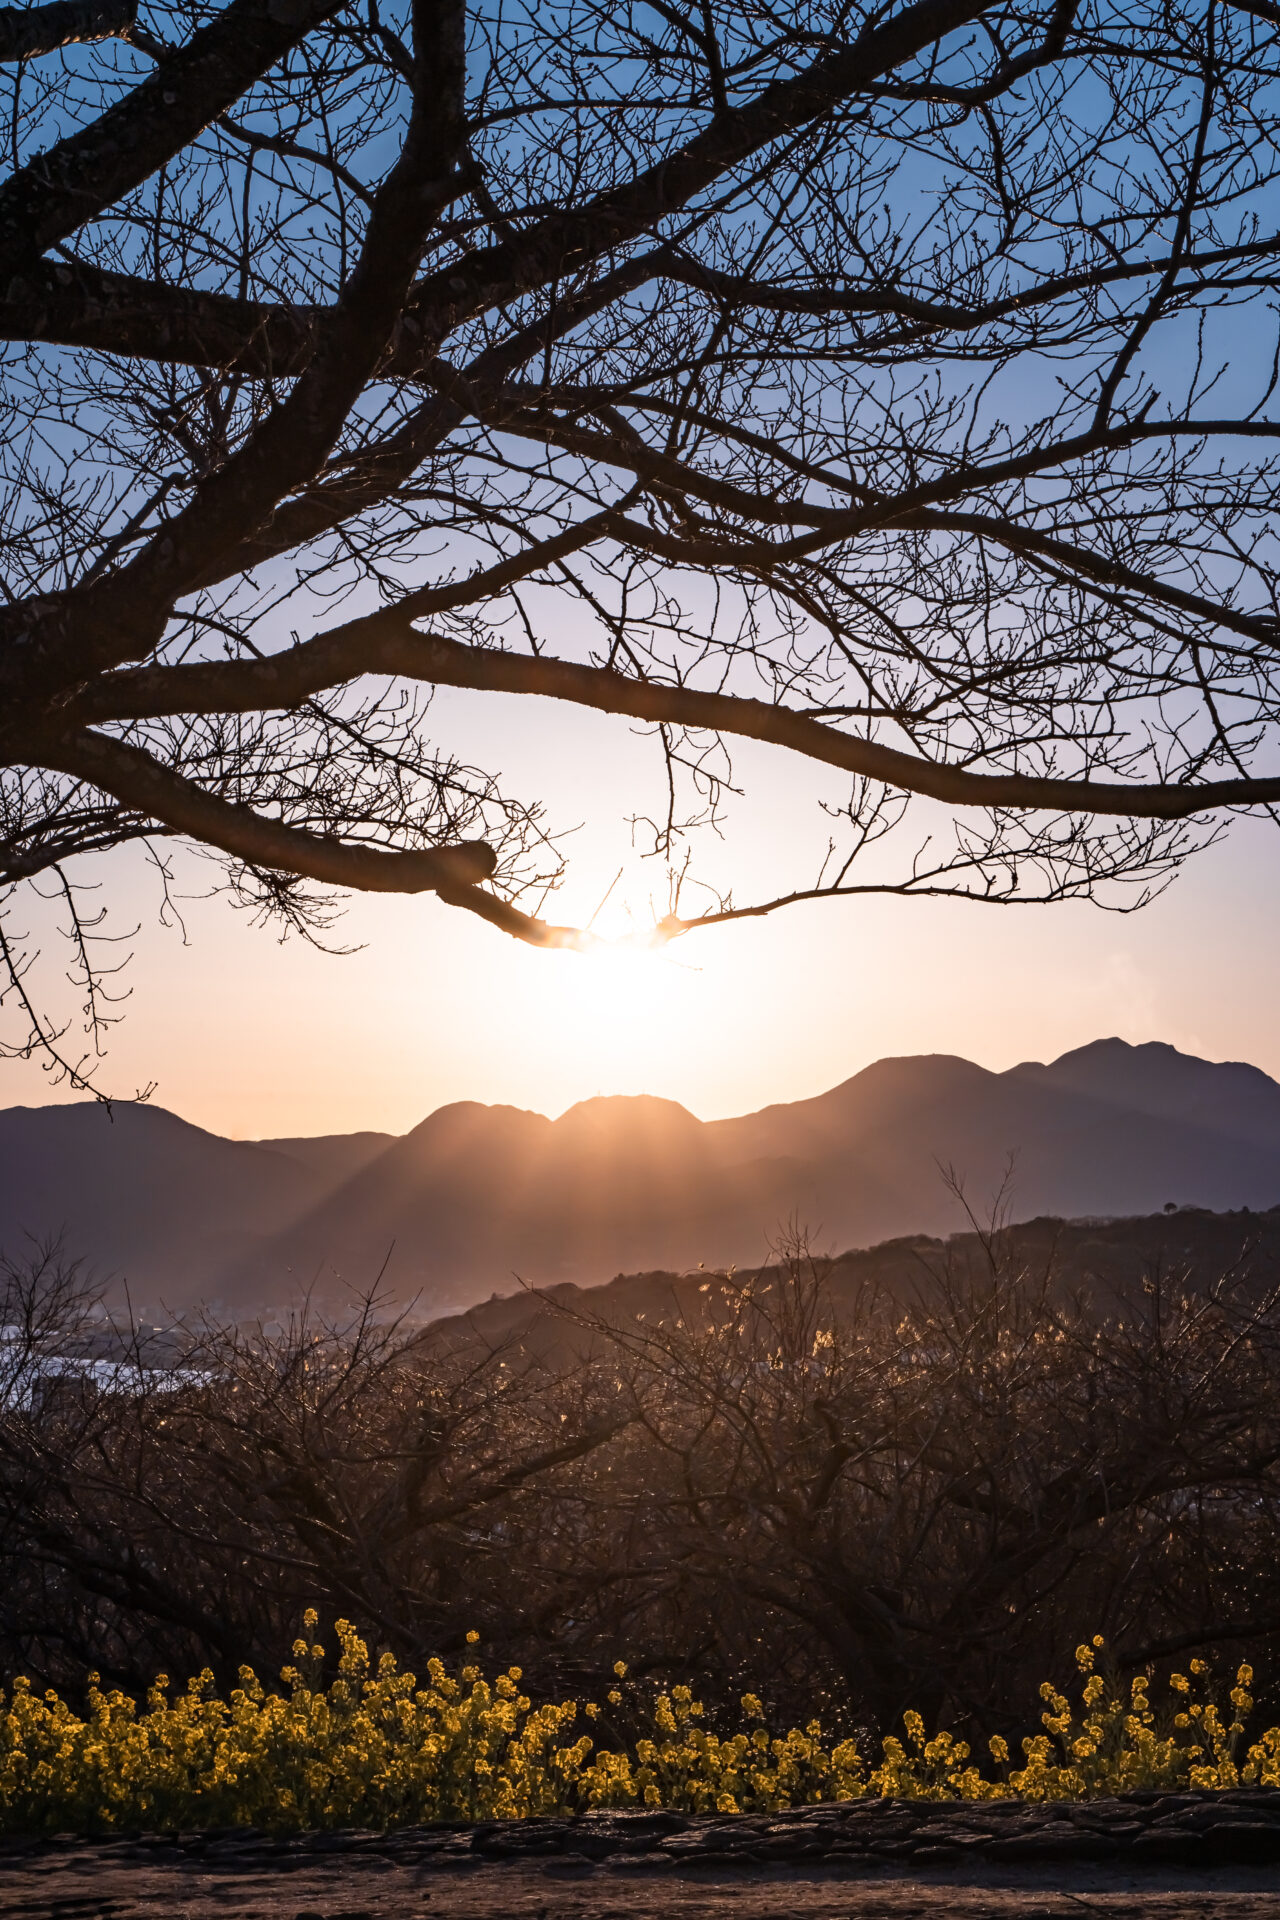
pixel 831 1495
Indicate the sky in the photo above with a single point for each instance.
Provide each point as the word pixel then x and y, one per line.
pixel 253 1038
pixel 256 1039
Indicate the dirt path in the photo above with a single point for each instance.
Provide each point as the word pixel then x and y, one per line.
pixel 84 1886
pixel 1143 1857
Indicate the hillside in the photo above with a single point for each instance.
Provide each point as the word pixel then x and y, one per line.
pixel 477 1198
pixel 142 1195
pixel 1109 1262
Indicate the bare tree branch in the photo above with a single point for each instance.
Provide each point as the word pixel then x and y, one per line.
pixel 27 31
pixel 893 386
pixel 387 642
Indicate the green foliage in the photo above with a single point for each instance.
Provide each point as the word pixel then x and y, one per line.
pixel 375 1748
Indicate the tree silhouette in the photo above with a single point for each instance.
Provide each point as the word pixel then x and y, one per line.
pixel 891 385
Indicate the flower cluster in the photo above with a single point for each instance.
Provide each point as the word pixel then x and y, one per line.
pixel 1115 1742
pixel 375 1748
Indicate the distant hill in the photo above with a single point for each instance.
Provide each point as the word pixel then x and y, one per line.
pixel 142 1195
pixel 1109 1261
pixel 478 1197
pixel 334 1156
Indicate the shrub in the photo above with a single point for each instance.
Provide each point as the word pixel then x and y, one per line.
pixel 873 1497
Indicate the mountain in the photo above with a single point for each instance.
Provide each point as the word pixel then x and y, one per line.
pixel 334 1156
pixel 478 1198
pixel 142 1195
pixel 1228 1097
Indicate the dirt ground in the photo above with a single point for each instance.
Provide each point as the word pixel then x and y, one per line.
pixel 89 1885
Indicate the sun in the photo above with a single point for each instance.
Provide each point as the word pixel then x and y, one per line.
pixel 629 980
pixel 616 1007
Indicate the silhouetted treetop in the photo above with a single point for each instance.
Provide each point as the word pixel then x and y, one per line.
pixel 890 385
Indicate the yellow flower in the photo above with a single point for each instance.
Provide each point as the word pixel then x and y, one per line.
pixel 371 1748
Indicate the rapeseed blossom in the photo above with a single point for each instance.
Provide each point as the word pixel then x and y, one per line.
pixel 377 1747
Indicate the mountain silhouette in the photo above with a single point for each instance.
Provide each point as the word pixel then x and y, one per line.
pixel 479 1198
pixel 141 1195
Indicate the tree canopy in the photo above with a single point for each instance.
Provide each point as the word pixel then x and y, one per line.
pixel 893 385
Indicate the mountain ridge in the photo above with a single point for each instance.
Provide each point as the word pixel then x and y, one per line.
pixel 477 1197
